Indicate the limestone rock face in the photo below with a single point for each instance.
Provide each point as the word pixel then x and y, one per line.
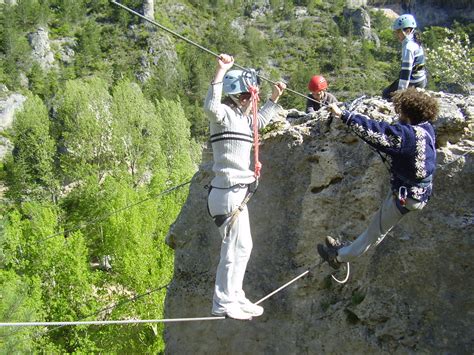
pixel 149 9
pixel 9 104
pixel 356 3
pixel 361 21
pixel 41 51
pixel 65 49
pixel 411 294
pixel 160 53
pixel 431 12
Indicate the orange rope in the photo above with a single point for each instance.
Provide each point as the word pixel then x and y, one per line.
pixel 255 98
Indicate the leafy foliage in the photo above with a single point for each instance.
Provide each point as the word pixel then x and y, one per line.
pixel 107 129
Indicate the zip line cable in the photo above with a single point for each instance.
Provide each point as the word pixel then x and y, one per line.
pixel 139 321
pixel 174 33
pixel 168 320
pixel 118 304
pixel 110 214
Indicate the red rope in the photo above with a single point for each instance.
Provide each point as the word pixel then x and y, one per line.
pixel 257 165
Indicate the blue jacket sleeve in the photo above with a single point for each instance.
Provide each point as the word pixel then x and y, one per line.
pixel 383 136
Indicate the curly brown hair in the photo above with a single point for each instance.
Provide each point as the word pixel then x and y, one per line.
pixel 416 105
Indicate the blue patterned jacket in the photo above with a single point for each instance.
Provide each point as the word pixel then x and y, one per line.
pixel 410 150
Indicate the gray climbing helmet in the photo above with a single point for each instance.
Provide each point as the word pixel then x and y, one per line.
pixel 404 21
pixel 238 81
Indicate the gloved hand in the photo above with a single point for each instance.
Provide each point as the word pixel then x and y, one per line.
pixel 335 110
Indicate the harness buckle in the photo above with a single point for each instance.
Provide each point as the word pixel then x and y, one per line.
pixel 402 195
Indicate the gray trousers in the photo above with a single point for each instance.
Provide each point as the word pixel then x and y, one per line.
pixel 382 222
pixel 235 249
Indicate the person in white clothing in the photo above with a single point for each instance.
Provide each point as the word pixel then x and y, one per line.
pixel 231 139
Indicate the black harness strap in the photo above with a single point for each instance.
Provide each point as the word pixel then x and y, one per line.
pixel 220 219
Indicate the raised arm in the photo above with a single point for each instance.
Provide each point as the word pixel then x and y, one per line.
pixel 268 111
pixel 212 105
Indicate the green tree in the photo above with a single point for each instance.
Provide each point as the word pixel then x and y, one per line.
pixel 14 48
pixel 89 57
pixel 30 169
pixel 84 128
pixel 136 132
pixel 60 265
pixel 176 140
pixel 20 302
pixel 451 64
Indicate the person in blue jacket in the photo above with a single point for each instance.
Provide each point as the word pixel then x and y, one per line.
pixel 413 71
pixel 410 148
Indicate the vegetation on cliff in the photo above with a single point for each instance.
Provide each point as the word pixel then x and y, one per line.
pixel 117 118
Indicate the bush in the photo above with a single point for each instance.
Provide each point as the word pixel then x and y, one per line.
pixel 451 64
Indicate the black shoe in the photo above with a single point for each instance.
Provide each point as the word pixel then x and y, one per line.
pixel 335 243
pixel 329 254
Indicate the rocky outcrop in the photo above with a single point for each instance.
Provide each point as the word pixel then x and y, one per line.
pixel 411 294
pixel 432 12
pixel 9 104
pixel 41 50
pixel 161 54
pixel 360 19
pixel 258 9
pixel 356 3
pixel 64 47
pixel 149 9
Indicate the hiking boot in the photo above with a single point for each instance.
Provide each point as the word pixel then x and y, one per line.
pixel 329 254
pixel 335 243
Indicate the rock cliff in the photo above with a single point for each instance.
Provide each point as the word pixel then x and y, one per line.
pixel 413 293
pixel 9 104
pixel 432 12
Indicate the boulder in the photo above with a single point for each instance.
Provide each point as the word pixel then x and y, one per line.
pixel 411 294
pixel 41 49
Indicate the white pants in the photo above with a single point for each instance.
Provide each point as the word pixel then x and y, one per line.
pixel 382 222
pixel 235 249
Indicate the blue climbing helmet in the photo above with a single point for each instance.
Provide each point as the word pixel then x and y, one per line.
pixel 404 21
pixel 238 81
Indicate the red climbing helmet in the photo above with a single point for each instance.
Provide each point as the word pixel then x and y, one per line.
pixel 317 83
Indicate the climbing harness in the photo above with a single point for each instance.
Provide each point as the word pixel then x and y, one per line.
pixel 166 29
pixel 220 219
pixel 402 195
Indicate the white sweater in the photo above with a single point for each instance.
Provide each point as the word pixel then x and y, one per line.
pixel 232 138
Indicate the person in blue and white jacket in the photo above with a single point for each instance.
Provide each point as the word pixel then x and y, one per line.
pixel 410 149
pixel 413 57
pixel 231 139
